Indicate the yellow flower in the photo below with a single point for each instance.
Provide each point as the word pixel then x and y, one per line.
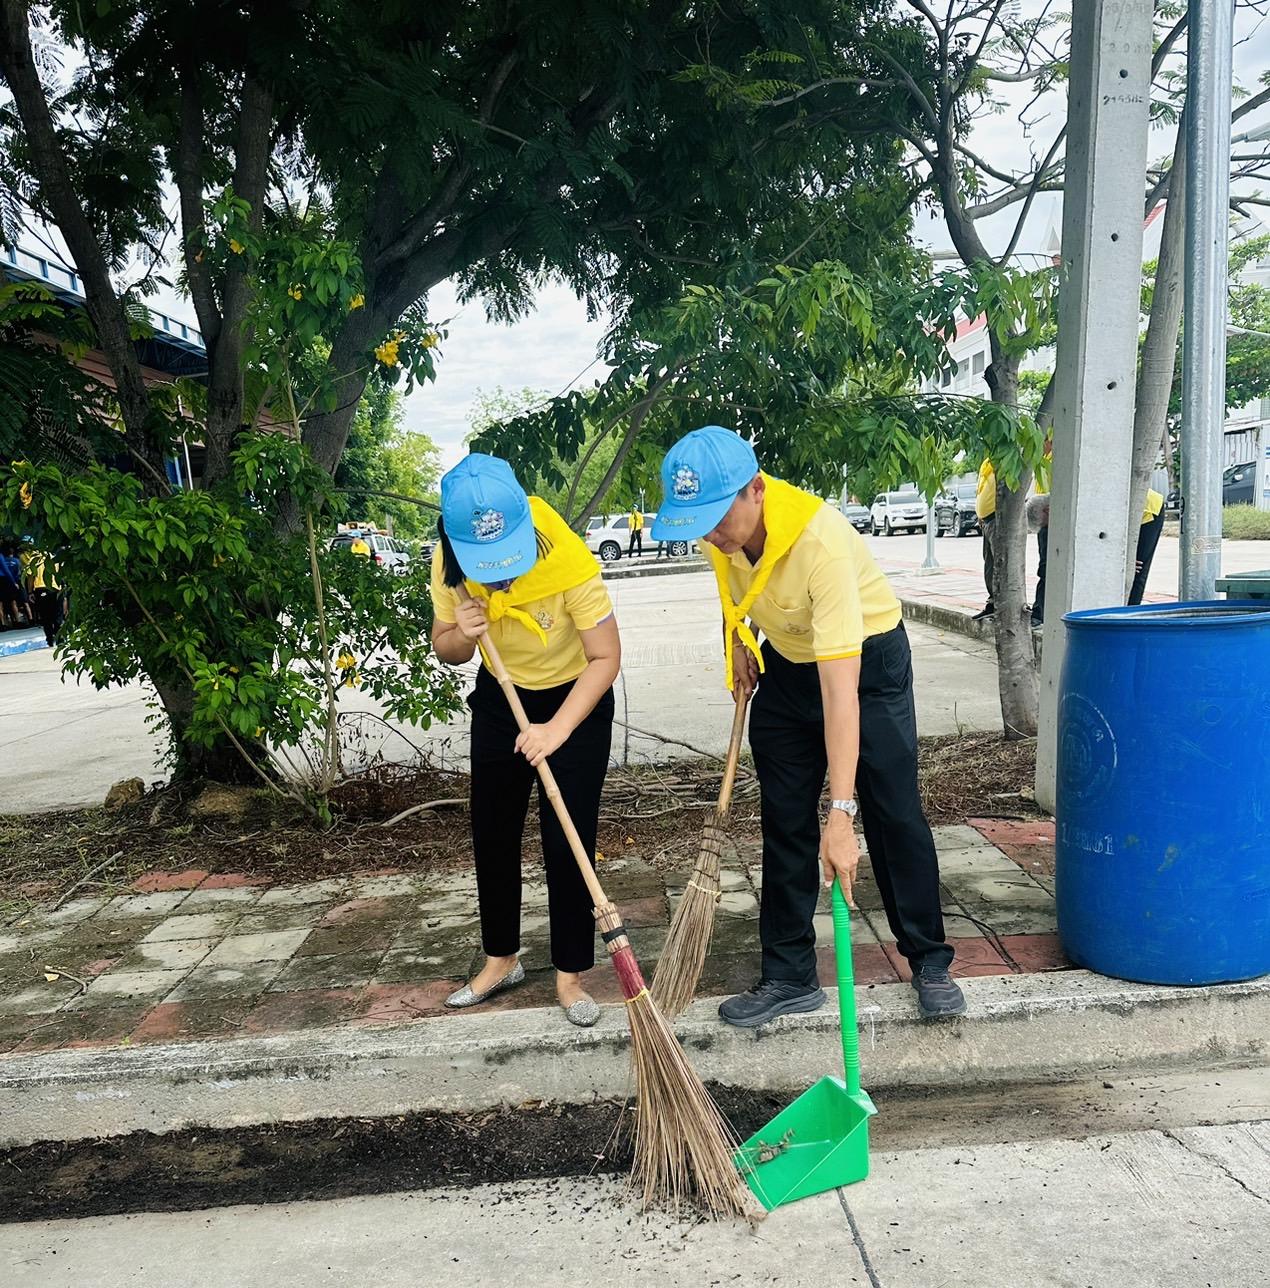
pixel 431 340
pixel 346 661
pixel 259 731
pixel 25 496
pixel 296 293
pixel 387 353
pixel 233 670
pixel 217 560
pixel 358 301
pixel 354 681
pixel 236 246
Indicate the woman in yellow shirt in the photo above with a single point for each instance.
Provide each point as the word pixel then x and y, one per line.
pixel 536 592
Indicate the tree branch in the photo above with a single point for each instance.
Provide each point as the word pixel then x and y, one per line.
pixel 1031 196
pixel 58 190
pixel 187 166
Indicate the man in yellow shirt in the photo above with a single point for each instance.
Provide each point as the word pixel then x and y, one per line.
pixel 986 509
pixel 1148 538
pixel 833 690
pixel 636 521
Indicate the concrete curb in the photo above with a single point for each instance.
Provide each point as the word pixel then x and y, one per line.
pixel 1020 1028
pixel 684 563
pixel 944 618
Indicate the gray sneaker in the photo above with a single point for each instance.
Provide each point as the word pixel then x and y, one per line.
pixel 768 999
pixel 937 993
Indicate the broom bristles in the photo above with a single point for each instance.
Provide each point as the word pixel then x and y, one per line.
pixel 684 1147
pixel 691 929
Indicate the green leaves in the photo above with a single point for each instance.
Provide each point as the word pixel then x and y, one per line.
pixel 196 592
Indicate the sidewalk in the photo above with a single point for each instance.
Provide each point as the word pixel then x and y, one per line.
pixel 189 956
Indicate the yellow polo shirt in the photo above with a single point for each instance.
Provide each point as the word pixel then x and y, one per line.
pixel 531 663
pixel 1155 503
pixel 637 521
pixel 825 596
pixel 986 491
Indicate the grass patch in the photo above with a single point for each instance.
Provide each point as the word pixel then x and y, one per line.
pixel 1245 523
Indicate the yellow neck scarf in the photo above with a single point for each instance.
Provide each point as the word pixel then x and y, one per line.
pixel 568 563
pixel 787 510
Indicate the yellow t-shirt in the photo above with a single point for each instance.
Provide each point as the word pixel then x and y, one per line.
pixel 825 596
pixel 37 567
pixel 359 547
pixel 530 663
pixel 1155 503
pixel 986 491
pixel 637 521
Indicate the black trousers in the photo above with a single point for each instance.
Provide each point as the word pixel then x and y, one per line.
pixel 787 736
pixel 48 611
pixel 1148 539
pixel 636 539
pixel 1038 600
pixel 502 780
pixel 989 562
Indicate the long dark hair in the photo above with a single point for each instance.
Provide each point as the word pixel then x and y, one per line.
pixel 451 572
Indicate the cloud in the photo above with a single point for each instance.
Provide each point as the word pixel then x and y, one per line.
pixel 551 349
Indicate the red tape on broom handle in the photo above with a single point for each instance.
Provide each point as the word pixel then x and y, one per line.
pixel 549 784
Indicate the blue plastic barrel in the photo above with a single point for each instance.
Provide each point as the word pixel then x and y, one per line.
pixel 1163 792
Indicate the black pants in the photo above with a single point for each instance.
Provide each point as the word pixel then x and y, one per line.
pixel 1038 600
pixel 502 780
pixel 787 736
pixel 637 539
pixel 1148 539
pixel 48 611
pixel 989 562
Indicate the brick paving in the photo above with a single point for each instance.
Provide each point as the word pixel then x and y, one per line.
pixel 188 956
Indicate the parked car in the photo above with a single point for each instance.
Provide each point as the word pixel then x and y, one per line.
pixel 385 551
pixel 955 511
pixel 609 536
pixel 858 517
pixel 1238 484
pixel 898 512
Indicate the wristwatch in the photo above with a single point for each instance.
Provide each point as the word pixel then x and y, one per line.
pixel 848 807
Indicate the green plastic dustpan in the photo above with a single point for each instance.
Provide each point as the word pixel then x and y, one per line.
pixel 821 1141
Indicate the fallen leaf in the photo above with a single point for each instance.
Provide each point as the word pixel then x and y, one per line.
pixel 51 975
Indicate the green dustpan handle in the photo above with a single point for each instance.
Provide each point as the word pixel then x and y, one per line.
pixel 846 990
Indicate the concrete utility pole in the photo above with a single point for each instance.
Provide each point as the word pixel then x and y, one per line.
pixel 1107 108
pixel 1209 55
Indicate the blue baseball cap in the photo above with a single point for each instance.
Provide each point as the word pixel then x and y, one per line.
pixel 487 519
pixel 700 477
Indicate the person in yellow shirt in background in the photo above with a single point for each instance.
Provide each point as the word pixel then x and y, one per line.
pixel 359 546
pixel 536 592
pixel 986 509
pixel 1149 530
pixel 833 690
pixel 1148 538
pixel 45 594
pixel 637 532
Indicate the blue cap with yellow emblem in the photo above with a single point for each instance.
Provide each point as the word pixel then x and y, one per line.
pixel 487 519
pixel 700 478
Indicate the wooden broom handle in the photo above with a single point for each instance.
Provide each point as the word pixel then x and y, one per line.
pixel 549 784
pixel 734 753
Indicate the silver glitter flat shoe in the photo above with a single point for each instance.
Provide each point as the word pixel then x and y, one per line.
pixel 466 996
pixel 584 1013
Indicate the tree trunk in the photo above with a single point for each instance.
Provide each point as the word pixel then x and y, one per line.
pixel 1016 665
pixel 1159 347
pixel 220 762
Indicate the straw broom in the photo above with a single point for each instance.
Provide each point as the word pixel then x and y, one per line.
pixel 683 1144
pixel 679 967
